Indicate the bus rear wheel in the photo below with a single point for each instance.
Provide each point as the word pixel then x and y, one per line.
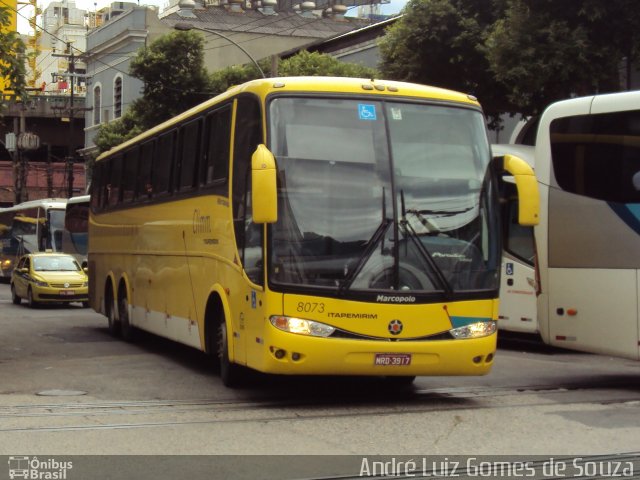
pixel 230 373
pixel 114 325
pixel 127 331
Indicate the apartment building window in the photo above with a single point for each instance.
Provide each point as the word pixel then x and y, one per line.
pixel 117 97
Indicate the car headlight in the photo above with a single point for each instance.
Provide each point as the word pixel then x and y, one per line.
pixel 301 326
pixel 40 283
pixel 85 284
pixel 475 330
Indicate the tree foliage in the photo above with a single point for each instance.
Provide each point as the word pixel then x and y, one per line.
pixel 175 79
pixel 302 64
pixel 514 55
pixel 320 64
pixel 547 50
pixel 114 133
pixel 441 43
pixel 12 68
pixel 174 76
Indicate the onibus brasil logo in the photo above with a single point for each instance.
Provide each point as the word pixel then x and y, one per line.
pixel 38 469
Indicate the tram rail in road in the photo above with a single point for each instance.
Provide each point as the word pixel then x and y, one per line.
pixel 157 397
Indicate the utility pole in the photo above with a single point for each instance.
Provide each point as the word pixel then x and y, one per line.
pixel 70 158
pixel 69 161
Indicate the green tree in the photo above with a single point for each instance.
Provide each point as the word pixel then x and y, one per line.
pixel 174 76
pixel 301 64
pixel 175 79
pixel 547 50
pixel 114 133
pixel 12 69
pixel 441 43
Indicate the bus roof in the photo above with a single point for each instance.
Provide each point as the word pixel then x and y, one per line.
pixel 44 203
pixel 337 85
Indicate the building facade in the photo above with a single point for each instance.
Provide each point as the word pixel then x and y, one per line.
pixel 245 31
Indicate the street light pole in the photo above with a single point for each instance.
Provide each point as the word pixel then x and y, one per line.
pixel 185 27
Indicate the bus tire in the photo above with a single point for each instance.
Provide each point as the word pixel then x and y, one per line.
pixel 230 373
pixel 114 325
pixel 14 297
pixel 127 331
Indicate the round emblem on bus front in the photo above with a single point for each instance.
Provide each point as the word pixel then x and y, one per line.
pixel 395 327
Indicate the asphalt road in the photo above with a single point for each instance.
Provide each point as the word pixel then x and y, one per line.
pixel 68 388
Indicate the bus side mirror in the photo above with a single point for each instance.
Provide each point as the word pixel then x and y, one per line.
pixel 264 193
pixel 527 186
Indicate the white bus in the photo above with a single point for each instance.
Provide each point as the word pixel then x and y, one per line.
pixel 33 226
pixel 518 299
pixel 587 276
pixel 76 228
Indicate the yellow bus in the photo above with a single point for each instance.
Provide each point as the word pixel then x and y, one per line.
pixel 309 225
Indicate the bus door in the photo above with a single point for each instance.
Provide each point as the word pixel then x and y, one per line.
pixel 518 299
pixel 248 321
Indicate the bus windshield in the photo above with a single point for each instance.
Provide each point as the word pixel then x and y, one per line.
pixel 379 196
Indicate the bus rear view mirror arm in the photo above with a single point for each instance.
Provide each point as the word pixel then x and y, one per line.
pixel 527 185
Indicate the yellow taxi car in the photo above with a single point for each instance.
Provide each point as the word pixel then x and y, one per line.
pixel 49 278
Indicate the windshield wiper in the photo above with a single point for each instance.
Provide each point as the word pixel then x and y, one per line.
pixel 441 213
pixel 368 251
pixel 415 238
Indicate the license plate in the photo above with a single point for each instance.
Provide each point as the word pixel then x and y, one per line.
pixel 67 292
pixel 392 359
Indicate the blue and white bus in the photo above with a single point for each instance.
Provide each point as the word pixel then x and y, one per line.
pixel 584 282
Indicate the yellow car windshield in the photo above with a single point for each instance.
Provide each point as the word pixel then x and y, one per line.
pixel 55 264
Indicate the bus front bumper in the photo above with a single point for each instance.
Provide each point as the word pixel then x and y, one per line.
pixel 292 354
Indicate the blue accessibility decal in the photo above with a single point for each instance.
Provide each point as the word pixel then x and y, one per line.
pixel 366 112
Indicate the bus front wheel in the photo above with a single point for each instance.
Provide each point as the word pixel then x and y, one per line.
pixel 230 373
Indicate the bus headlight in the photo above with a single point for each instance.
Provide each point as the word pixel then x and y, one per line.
pixel 301 326
pixel 475 330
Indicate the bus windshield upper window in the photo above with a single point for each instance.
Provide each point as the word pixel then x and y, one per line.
pixel 409 178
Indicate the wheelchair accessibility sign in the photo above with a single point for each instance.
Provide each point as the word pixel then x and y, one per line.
pixel 509 268
pixel 366 112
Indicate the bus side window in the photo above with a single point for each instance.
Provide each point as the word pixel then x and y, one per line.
pixel 186 161
pixel 162 164
pixel 130 168
pixel 248 135
pixel 114 187
pixel 215 167
pixel 143 186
